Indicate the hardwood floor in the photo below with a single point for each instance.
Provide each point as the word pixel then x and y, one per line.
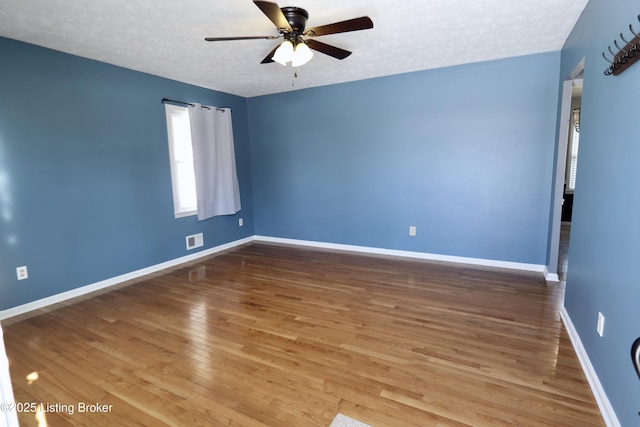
pixel 271 335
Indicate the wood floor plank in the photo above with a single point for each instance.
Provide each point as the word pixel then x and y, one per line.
pixel 276 335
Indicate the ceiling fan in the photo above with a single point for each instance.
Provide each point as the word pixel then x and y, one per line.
pixel 290 22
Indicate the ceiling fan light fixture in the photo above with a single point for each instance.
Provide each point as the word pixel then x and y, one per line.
pixel 284 53
pixel 301 55
pixel 291 24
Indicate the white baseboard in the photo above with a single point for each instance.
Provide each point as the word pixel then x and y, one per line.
pixel 550 277
pixel 73 293
pixel 609 415
pixel 478 262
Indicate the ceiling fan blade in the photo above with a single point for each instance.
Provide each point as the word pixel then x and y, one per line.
pixel 273 12
pixel 220 39
pixel 269 58
pixel 327 49
pixel 355 24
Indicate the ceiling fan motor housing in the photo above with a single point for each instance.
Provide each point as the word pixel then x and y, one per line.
pixel 297 18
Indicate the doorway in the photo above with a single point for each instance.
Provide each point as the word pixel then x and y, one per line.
pixel 573 146
pixel 565 177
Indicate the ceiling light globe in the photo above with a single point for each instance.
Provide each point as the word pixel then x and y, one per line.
pixel 284 53
pixel 301 55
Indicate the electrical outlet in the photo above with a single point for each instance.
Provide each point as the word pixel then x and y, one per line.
pixel 240 222
pixel 412 230
pixel 600 327
pixel 22 272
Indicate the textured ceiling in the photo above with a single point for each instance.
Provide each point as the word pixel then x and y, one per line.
pixel 165 37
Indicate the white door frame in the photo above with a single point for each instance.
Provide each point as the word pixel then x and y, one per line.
pixel 561 164
pixel 7 418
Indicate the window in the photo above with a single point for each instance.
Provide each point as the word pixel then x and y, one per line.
pixel 203 165
pixel 573 151
pixel 181 156
pixel 573 160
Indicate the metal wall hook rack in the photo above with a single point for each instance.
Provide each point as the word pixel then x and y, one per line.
pixel 626 55
pixel 635 355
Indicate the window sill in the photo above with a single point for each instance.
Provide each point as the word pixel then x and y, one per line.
pixel 185 214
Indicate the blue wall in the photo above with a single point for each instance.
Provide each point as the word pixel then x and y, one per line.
pixel 85 184
pixel 605 235
pixel 465 154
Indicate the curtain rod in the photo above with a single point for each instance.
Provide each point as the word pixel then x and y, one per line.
pixel 189 104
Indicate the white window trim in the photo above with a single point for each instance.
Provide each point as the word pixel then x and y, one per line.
pixel 178 210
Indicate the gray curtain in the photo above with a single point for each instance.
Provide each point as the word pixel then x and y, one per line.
pixel 214 161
